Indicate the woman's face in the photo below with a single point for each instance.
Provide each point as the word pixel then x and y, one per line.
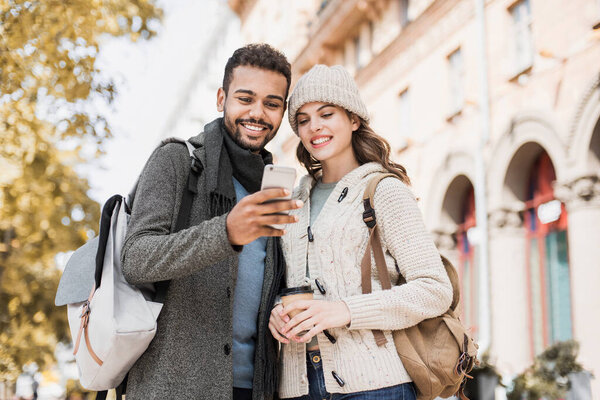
pixel 326 131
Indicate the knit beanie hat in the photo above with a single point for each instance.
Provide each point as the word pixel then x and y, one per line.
pixel 332 85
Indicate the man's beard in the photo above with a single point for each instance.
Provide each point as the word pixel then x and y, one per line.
pixel 234 131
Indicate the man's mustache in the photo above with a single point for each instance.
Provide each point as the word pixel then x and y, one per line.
pixel 255 122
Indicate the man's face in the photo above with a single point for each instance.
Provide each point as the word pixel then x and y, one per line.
pixel 254 106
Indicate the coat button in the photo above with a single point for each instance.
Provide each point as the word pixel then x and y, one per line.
pixel 329 336
pixel 227 349
pixel 337 378
pixel 320 286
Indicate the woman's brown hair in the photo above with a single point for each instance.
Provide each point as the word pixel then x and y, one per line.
pixel 367 146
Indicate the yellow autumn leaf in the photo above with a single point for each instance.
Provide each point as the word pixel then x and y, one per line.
pixel 48 55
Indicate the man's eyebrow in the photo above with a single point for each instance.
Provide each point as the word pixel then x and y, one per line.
pixel 251 93
pixel 247 91
pixel 272 96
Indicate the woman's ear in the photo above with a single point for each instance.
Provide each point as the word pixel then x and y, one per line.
pixel 355 122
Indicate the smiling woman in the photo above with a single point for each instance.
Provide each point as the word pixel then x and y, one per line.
pixel 326 132
pixel 338 354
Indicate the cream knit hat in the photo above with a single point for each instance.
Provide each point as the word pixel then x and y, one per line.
pixel 329 85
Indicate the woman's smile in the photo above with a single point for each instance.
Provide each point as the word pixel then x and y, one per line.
pixel 320 141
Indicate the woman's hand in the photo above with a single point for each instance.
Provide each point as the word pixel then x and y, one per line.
pixel 276 322
pixel 315 317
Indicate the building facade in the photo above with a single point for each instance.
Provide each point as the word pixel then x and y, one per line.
pixel 495 112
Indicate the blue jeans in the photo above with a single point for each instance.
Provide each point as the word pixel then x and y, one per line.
pixel 317 391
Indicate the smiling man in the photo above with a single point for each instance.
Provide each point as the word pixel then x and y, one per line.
pixel 226 268
pixel 252 105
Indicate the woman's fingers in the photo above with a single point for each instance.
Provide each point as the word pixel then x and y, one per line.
pixel 276 324
pixel 283 316
pixel 294 322
pixel 309 335
pixel 309 325
pixel 299 305
pixel 277 335
pixel 276 317
pixel 323 314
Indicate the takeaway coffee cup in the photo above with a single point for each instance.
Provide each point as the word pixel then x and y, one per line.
pixel 291 295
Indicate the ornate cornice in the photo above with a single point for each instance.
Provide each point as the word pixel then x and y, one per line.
pixel 505 219
pixel 580 192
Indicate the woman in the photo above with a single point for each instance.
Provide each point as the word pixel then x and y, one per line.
pixel 338 357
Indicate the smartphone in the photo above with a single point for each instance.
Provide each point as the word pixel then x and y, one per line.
pixel 275 176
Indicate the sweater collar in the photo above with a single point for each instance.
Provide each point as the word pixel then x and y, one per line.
pixel 351 179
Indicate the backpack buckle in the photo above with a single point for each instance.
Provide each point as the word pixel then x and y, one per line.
pixel 369 215
pixel 196 166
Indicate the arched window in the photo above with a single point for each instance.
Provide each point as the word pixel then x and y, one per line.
pixel 547 259
pixel 467 270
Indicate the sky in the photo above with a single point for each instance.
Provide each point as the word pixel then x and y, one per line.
pixel 150 77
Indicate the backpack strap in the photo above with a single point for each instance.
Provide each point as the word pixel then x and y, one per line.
pixel 374 244
pixel 190 147
pixel 187 198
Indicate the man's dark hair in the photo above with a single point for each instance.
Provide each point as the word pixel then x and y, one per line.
pixel 261 56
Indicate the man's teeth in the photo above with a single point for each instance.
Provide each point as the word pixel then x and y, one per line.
pixel 255 128
pixel 321 140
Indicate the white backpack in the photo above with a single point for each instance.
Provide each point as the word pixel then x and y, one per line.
pixel 113 323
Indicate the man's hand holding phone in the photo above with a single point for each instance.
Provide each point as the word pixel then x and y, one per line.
pixel 253 216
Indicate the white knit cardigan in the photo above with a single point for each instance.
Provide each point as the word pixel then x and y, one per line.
pixel 334 257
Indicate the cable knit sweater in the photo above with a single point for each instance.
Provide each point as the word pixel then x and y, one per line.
pixel 334 257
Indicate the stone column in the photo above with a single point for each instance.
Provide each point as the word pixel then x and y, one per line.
pixel 510 347
pixel 582 199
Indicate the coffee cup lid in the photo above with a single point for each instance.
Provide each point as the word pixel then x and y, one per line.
pixel 296 290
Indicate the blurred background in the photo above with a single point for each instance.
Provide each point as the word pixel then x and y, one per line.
pixel 493 106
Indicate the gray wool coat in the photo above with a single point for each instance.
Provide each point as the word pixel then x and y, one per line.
pixel 190 356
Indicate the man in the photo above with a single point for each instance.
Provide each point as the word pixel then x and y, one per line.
pixel 226 268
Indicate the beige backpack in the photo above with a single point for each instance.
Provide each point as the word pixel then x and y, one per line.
pixel 438 353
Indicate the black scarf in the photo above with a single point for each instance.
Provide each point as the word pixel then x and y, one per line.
pixel 247 168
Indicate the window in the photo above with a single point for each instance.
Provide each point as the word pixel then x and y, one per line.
pixel 404 19
pixel 547 259
pixel 467 266
pixel 404 112
pixel 522 37
pixel 456 81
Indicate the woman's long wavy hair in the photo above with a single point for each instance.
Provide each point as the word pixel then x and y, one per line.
pixel 367 146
